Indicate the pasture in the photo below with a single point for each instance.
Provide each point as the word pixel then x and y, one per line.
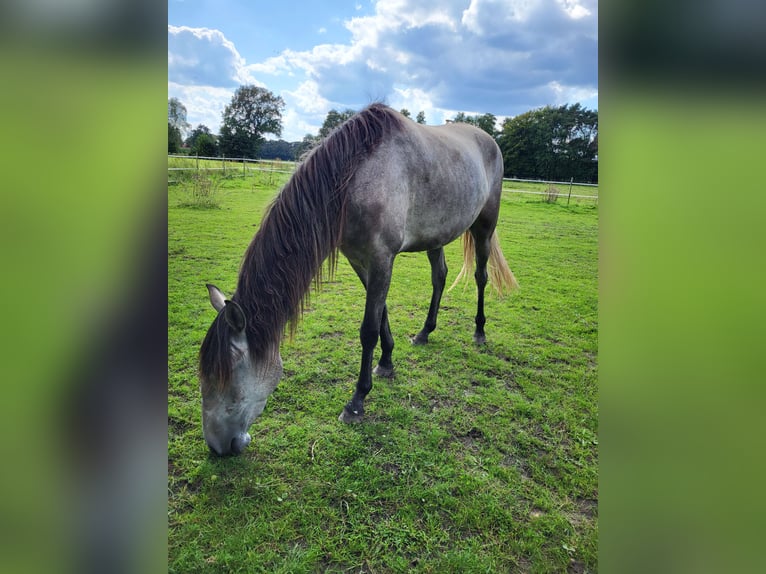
pixel 472 459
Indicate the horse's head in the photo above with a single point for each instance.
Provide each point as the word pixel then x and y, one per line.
pixel 234 384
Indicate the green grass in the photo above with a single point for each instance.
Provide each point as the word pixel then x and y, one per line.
pixel 470 460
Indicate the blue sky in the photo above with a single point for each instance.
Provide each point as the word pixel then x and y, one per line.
pixel 439 56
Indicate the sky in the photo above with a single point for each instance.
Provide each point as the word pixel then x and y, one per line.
pixel 442 57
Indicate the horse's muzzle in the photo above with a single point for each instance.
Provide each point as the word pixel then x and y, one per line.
pixel 234 447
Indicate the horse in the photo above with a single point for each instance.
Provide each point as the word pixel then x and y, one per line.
pixel 379 185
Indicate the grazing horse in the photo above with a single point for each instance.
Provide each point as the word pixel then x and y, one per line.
pixel 379 185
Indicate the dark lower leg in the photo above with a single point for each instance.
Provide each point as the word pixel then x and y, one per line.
pixel 378 280
pixel 438 279
pixel 385 366
pixel 355 407
pixel 482 255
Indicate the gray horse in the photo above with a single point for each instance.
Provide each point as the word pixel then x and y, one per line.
pixel 379 185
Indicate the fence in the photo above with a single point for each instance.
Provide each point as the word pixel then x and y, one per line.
pixel 569 183
pixel 233 164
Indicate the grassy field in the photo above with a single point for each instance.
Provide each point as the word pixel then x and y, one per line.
pixel 470 460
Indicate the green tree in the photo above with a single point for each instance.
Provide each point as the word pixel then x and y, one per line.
pixel 421 118
pixel 205 145
pixel 554 143
pixel 461 117
pixel 405 112
pixel 279 149
pixel 195 134
pixel 253 111
pixel 485 122
pixel 305 145
pixel 174 139
pixel 333 119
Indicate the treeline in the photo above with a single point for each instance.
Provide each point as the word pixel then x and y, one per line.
pixel 550 143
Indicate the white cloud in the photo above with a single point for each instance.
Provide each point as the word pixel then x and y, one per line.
pixel 485 16
pixel 308 98
pixel 567 94
pixel 441 56
pixel 205 57
pixel 574 8
pixel 296 125
pixel 273 66
pixel 416 100
pixel 204 104
pixel 490 55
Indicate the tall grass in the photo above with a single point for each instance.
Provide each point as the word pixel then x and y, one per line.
pixel 551 194
pixel 201 190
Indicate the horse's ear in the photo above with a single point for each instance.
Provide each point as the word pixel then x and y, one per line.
pixel 217 299
pixel 234 316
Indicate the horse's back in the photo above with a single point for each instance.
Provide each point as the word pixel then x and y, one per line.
pixel 423 187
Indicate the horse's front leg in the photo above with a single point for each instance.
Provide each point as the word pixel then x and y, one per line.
pixel 378 282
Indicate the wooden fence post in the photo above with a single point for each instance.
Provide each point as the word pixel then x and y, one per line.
pixel 571 179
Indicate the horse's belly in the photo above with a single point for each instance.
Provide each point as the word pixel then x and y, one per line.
pixel 425 238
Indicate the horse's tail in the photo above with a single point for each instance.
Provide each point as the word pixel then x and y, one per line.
pixel 500 275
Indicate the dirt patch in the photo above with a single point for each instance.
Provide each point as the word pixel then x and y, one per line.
pixel 391 468
pixel 587 507
pixel 575 566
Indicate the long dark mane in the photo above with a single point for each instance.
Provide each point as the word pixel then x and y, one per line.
pixel 301 228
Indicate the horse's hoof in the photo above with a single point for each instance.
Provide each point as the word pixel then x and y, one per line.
pixel 387 372
pixel 419 339
pixel 350 417
pixel 479 339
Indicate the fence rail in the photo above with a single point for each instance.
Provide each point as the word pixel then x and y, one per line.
pixel 244 161
pixel 546 193
pixel 550 182
pixel 239 161
pixel 569 195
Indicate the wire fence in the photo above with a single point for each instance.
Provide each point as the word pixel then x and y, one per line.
pixel 244 165
pixel 551 190
pixel 228 164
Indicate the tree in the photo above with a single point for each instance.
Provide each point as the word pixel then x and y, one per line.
pixel 177 116
pixel 485 122
pixel 405 112
pixel 196 135
pixel 552 143
pixel 333 119
pixel 461 117
pixel 305 145
pixel 253 111
pixel 174 139
pixel 205 145
pixel 421 118
pixel 279 149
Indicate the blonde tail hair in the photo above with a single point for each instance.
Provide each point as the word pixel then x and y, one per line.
pixel 500 275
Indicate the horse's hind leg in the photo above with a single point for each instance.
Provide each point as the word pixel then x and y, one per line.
pixel 482 244
pixel 438 278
